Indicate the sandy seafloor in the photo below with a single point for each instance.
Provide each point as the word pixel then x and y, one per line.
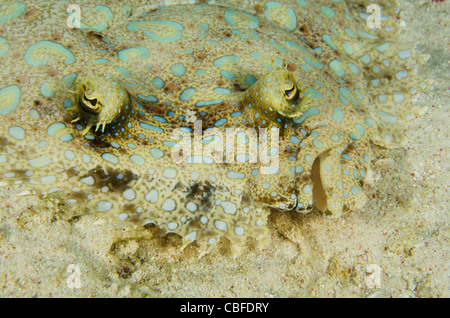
pixel 398 245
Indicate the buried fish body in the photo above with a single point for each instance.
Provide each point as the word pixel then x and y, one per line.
pixel 200 118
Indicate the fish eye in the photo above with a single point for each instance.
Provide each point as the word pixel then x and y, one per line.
pixel 91 105
pixel 292 93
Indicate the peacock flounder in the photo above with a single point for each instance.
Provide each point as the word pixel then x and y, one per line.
pixel 199 118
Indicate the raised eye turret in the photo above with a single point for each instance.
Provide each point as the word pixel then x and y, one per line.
pixel 102 102
pixel 276 95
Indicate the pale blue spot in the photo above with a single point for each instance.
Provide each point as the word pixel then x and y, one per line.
pixel 110 158
pixel 178 69
pixel 133 52
pixel 208 102
pixel 160 119
pixel 346 156
pixel 51 130
pixel 156 153
pixel 152 196
pixel 191 206
pixel 338 115
pixel 318 144
pixel 239 231
pixel 294 140
pixel 47 179
pixel 327 38
pixel 204 26
pixel 256 55
pixel 347 48
pixel 39 162
pixel 220 225
pixel 278 46
pixel 99 61
pixel 168 205
pixel 328 12
pixel 250 80
pixel 220 122
pixel 129 194
pixel 149 98
pixel 187 94
pixel 69 155
pixel 137 160
pixel 46 90
pixel 123 71
pixel 403 54
pixel 16 132
pixel 227 74
pixel 170 173
pixel 200 159
pixel 307 189
pixel 355 190
pixel 337 68
pixel 103 206
pixel 222 91
pixel 158 82
pixel 151 127
pixel 387 118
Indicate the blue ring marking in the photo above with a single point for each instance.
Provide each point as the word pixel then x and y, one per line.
pixel 15 91
pixel 141 52
pixel 177 28
pixel 19 9
pixel 229 18
pixel 39 60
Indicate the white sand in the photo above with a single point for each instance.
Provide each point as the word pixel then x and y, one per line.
pixel 397 246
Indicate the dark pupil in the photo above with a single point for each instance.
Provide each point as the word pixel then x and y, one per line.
pixel 290 92
pixel 92 101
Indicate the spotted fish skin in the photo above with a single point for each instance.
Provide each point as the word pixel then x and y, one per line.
pixel 307 80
